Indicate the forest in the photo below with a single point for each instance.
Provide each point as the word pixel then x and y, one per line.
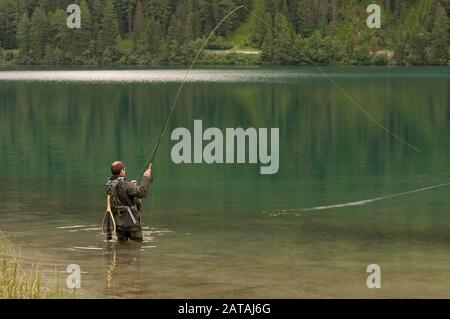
pixel 280 32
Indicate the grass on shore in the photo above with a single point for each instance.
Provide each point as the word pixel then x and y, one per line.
pixel 18 282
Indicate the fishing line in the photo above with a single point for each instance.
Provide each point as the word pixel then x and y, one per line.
pixel 152 202
pixel 152 158
pixel 340 88
pixel 356 203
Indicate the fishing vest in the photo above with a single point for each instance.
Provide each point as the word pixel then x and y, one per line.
pixel 120 209
pixel 111 190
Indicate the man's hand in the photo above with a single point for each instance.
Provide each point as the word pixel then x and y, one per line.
pixel 148 173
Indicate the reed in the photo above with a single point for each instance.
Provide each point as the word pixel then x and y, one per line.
pixel 20 282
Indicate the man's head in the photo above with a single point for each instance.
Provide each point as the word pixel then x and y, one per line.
pixel 118 168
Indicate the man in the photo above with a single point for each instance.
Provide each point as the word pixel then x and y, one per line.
pixel 125 203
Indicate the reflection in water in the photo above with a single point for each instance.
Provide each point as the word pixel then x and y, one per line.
pixel 123 268
pixel 125 265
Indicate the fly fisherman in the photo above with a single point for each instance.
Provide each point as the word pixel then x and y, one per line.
pixel 125 204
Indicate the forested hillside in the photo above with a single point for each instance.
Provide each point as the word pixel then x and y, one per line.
pixel 170 31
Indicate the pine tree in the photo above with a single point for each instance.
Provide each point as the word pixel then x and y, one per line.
pixel 189 29
pixel 417 47
pixel 304 26
pixel 84 35
pixel 10 14
pixel 60 45
pixel 206 16
pixel 439 37
pixel 125 12
pixel 139 33
pixel 109 31
pixel 268 40
pixel 96 16
pixel 129 12
pixel 272 6
pixel 333 13
pixel 221 8
pixel 283 52
pixel 23 35
pixel 259 34
pixel 268 48
pixel 159 10
pixel 174 35
pixel 38 34
pixel 154 37
pixel 285 9
pixel 57 30
pixel 164 12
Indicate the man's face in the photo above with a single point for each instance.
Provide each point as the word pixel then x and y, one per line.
pixel 123 171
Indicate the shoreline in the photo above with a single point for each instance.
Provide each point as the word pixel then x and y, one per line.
pixel 93 67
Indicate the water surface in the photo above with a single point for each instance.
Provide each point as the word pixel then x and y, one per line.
pixel 225 230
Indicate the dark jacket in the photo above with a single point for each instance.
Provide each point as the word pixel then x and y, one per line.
pixel 127 195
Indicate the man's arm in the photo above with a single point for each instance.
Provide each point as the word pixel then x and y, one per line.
pixel 141 191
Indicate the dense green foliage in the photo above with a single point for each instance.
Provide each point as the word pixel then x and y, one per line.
pixel 171 31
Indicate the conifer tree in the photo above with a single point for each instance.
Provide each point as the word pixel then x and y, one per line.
pixel 303 10
pixel 139 32
pixel 109 30
pixel 23 35
pixel 84 35
pixel 38 34
pixel 439 37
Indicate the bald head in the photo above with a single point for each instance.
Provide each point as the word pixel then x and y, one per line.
pixel 117 168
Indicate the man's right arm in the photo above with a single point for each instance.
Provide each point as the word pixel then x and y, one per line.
pixel 141 191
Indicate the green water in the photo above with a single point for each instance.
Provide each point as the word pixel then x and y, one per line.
pixel 225 230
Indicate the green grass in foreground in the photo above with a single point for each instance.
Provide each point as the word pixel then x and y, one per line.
pixel 16 282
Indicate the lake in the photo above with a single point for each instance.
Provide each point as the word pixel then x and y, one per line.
pixel 346 195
